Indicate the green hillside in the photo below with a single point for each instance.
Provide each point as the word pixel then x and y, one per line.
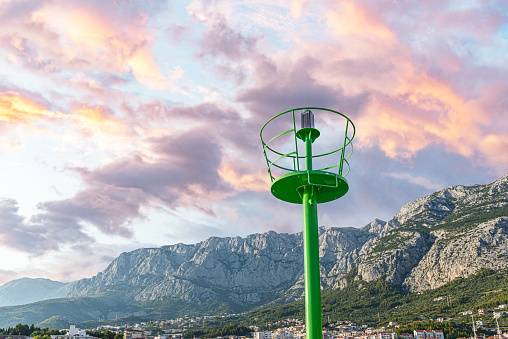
pixel 378 302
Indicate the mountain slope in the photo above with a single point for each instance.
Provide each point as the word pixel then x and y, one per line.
pixel 26 290
pixel 451 233
pixel 245 272
pixel 447 234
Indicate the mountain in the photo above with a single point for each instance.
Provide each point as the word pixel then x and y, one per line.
pixel 26 290
pixel 244 272
pixel 451 233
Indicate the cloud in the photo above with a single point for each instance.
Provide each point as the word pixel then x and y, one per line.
pixel 15 108
pixel 39 235
pixel 221 40
pixel 228 51
pixel 402 100
pixel 106 207
pixel 183 173
pixel 420 181
pixel 83 37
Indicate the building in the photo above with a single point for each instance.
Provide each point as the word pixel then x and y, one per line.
pixel 467 312
pixel 428 334
pixel 134 334
pixel 263 335
pixel 482 311
pixel 386 335
pixel 13 336
pixel 73 333
pixel 406 336
pixel 282 335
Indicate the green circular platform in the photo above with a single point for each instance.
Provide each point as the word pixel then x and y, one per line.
pixel 329 186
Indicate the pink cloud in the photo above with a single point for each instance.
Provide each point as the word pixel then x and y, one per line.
pixel 412 98
pixel 86 37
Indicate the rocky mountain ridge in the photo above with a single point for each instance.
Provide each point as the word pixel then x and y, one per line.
pixel 447 234
pixel 244 271
pixel 450 233
pixel 421 247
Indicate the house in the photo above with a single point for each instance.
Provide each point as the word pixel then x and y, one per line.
pixel 13 336
pixel 480 323
pixel 73 333
pixel 482 311
pixel 467 312
pixel 282 335
pixel 134 334
pixel 437 334
pixel 386 335
pixel 263 335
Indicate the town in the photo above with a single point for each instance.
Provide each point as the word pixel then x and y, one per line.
pixel 180 328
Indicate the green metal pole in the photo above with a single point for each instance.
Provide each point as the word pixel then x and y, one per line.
pixel 311 254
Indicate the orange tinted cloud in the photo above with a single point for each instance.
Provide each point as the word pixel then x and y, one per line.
pixel 17 109
pixel 258 182
pixel 95 119
pixel 351 19
pixel 495 150
pixel 110 45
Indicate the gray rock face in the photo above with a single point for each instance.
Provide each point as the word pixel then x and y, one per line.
pixel 451 233
pixel 452 255
pixel 242 271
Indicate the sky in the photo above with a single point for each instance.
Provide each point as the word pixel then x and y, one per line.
pixel 129 124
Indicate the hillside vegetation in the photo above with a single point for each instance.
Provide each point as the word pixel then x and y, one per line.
pixel 378 302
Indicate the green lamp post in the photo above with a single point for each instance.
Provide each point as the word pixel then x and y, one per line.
pixel 308 186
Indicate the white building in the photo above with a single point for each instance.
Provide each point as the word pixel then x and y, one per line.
pixel 73 333
pixel 386 335
pixel 282 335
pixel 435 334
pixel 263 335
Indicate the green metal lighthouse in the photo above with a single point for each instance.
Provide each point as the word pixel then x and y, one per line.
pixel 296 179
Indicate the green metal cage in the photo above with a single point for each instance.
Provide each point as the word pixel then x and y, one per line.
pixel 329 180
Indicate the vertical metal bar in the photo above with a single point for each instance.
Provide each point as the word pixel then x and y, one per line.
pixel 296 143
pixel 308 152
pixel 343 149
pixel 311 254
pixel 267 162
